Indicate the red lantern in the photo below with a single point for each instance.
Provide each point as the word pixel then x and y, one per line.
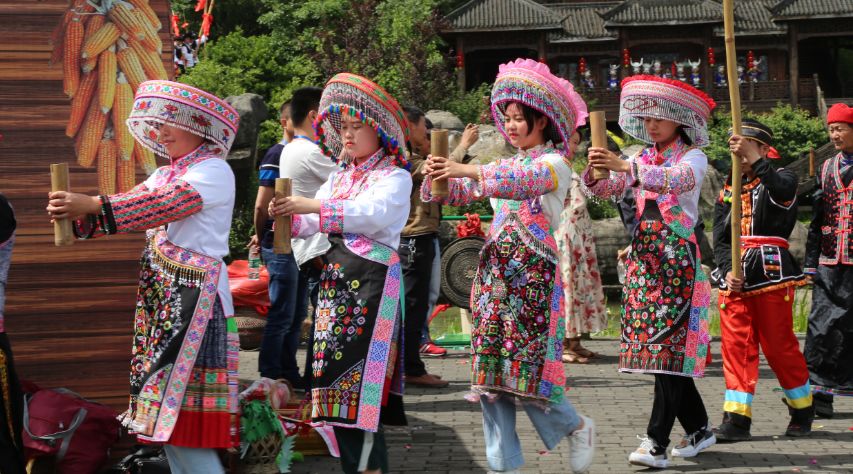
pixel 460 60
pixel 673 69
pixel 582 66
pixel 626 58
pixel 750 60
pixel 711 59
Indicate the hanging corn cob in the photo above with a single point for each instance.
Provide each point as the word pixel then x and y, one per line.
pixel 150 15
pixel 121 111
pixel 123 16
pixel 92 131
pixel 71 59
pixel 93 25
pixel 107 68
pixel 125 175
pixel 101 40
pixel 80 103
pixel 129 63
pixel 107 163
pixel 151 63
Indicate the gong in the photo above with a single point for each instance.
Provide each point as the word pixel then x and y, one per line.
pixel 459 261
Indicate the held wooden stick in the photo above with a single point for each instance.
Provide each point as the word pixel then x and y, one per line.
pixel 811 163
pixel 598 131
pixel 734 97
pixel 62 232
pixel 439 147
pixel 281 237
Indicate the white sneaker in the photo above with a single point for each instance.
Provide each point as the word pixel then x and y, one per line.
pixel 582 446
pixel 649 454
pixel 694 443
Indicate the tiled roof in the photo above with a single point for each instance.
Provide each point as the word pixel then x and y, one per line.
pixel 802 9
pixel 583 21
pixel 664 12
pixel 753 17
pixel 496 15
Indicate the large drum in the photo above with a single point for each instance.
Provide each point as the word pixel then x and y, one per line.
pixel 459 261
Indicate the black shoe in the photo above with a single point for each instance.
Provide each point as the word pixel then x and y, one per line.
pixel 823 405
pixel 801 421
pixel 734 428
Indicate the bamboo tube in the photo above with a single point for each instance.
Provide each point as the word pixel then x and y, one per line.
pixel 281 237
pixel 734 96
pixel 62 232
pixel 811 163
pixel 439 147
pixel 598 131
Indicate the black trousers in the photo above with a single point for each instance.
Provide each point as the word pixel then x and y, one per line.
pixel 675 397
pixel 351 442
pixel 11 421
pixel 416 256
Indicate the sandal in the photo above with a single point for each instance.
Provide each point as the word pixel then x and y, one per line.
pixel 570 357
pixel 584 352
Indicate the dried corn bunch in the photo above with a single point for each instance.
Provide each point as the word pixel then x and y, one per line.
pixel 108 48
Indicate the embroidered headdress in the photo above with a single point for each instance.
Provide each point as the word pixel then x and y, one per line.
pixel 531 83
pixel 668 99
pixel 356 96
pixel 179 105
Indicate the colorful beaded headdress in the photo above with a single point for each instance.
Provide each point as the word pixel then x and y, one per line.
pixel 179 105
pixel 356 96
pixel 531 83
pixel 668 99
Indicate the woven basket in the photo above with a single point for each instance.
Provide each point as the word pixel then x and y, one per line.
pixel 263 451
pixel 250 326
pixel 308 443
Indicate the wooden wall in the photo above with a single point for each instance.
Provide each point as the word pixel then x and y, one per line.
pixel 69 310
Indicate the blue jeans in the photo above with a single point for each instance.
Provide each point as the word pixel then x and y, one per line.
pixel 309 287
pixel 503 449
pixel 434 289
pixel 193 460
pixel 281 334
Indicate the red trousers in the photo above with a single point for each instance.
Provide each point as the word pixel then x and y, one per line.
pixel 765 319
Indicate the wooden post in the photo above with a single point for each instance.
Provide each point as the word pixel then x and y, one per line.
pixel 439 147
pixel 281 237
pixel 62 232
pixel 598 132
pixel 794 63
pixel 811 162
pixel 734 96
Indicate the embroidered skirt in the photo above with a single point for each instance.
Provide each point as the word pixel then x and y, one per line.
pixel 665 304
pixel 357 368
pixel 517 339
pixel 829 341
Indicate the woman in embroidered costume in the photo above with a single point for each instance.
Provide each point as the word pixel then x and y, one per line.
pixel 666 297
pixel 183 377
pixel 584 295
pixel 357 368
pixel 517 298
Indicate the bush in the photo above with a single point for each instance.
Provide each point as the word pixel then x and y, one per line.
pixel 468 106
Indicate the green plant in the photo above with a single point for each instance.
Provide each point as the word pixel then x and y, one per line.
pixel 469 105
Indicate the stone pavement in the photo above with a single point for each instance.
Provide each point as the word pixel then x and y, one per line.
pixel 445 433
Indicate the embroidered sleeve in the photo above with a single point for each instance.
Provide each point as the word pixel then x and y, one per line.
pixel 614 186
pixel 332 216
pixel 678 179
pixel 461 191
pixel 147 209
pixel 304 225
pixel 509 179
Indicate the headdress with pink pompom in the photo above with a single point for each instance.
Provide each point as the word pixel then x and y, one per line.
pixel 531 83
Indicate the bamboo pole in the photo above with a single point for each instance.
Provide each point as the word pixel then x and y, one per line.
pixel 281 237
pixel 734 96
pixel 62 232
pixel 439 146
pixel 598 132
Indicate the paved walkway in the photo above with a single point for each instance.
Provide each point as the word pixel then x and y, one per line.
pixel 445 433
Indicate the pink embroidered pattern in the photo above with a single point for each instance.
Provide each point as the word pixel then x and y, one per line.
pixel 331 216
pixel 150 209
pixel 511 179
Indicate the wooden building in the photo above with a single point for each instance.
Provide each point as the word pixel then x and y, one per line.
pixel 69 310
pixel 792 42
